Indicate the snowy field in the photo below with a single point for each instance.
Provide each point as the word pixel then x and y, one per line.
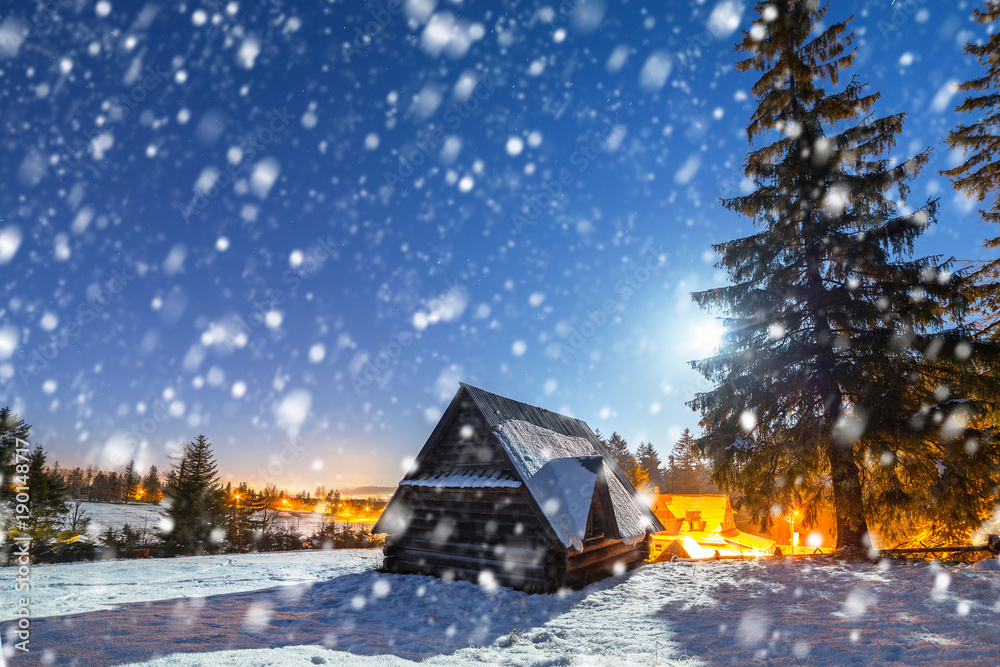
pixel 136 515
pixel 307 608
pixel 117 515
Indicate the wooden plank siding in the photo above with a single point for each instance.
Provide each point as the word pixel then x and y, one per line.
pixel 461 532
pixel 599 559
pixel 456 450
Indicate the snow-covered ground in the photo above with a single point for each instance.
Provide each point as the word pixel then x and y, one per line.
pixel 137 515
pixel 307 608
pixel 117 515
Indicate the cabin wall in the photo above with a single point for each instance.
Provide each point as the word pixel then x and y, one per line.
pixel 459 451
pixel 599 559
pixel 459 533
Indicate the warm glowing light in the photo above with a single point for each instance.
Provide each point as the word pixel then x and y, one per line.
pixel 694 549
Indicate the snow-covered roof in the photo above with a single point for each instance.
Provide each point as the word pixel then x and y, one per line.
pixel 564 489
pixel 561 473
pixel 739 538
pixel 497 409
pixel 473 479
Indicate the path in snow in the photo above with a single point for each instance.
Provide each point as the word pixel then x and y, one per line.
pixel 746 613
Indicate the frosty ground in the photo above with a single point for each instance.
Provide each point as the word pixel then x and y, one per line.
pixel 331 607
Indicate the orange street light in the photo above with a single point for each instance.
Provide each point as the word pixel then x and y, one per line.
pixel 791 532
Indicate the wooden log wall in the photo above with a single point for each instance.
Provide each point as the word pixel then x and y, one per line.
pixel 461 532
pixel 461 451
pixel 599 559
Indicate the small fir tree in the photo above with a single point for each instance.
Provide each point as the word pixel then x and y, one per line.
pixel 197 507
pixel 620 454
pixel 129 481
pixel 151 491
pixel 688 472
pixel 648 459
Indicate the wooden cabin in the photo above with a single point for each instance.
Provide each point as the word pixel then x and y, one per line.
pixel 508 492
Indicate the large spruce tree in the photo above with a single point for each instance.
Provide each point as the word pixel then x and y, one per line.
pixel 833 331
pixel 978 176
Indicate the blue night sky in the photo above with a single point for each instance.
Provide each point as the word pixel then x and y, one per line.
pixel 294 227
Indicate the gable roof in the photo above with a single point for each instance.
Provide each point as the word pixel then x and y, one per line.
pixel 496 409
pixel 564 466
pixel 564 474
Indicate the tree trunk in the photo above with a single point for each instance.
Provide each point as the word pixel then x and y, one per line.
pixel 852 527
pixel 848 502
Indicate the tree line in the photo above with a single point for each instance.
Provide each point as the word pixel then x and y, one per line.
pixel 685 471
pixel 122 485
pixel 41 501
pixel 854 375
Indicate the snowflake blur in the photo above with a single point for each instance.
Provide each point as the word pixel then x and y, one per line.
pixel 220 217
